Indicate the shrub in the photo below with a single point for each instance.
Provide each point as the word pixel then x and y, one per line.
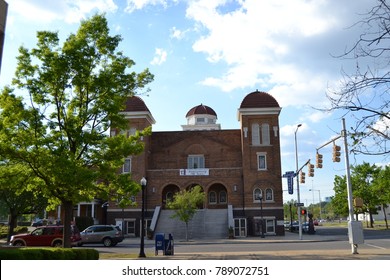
pixel 10 253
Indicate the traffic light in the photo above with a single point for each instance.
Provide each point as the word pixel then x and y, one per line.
pixel 336 153
pixel 303 211
pixel 310 170
pixel 302 180
pixel 318 160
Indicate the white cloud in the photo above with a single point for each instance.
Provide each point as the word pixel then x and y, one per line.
pixel 133 5
pixel 160 56
pixel 382 126
pixel 278 45
pixel 71 11
pixel 177 33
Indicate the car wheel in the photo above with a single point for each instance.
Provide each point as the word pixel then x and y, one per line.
pixel 57 243
pixel 107 242
pixel 18 243
pixel 79 244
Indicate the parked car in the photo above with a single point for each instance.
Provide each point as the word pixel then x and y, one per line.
pixel 39 223
pixel 108 235
pixel 294 226
pixel 45 236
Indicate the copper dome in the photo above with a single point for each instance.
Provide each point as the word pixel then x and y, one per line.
pixel 135 104
pixel 259 99
pixel 201 110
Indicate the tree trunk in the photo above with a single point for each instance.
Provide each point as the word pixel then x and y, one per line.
pixel 384 214
pixel 68 211
pixel 12 223
pixel 371 219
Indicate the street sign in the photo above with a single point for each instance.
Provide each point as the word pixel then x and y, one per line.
pixel 299 204
pixel 290 182
pixel 289 174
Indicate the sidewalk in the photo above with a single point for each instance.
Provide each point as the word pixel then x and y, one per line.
pixel 364 252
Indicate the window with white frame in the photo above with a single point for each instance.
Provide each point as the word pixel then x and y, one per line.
pixel 260 134
pixel 256 194
pixel 222 197
pixel 269 195
pixel 270 226
pixel 261 161
pixel 265 140
pixel 132 131
pixel 195 161
pixel 126 168
pixel 212 197
pixel 255 134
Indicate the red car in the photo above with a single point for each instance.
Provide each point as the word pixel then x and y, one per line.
pixel 45 236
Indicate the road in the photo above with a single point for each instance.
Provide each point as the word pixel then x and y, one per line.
pixel 327 243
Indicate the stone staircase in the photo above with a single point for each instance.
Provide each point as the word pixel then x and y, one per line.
pixel 206 223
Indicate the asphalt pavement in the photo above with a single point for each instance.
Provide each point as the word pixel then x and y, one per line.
pixel 365 251
pixel 310 247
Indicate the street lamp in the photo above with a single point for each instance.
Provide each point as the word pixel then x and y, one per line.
pixel 296 174
pixel 142 246
pixel 261 213
pixel 105 206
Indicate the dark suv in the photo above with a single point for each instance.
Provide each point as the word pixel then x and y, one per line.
pixel 108 235
pixel 45 236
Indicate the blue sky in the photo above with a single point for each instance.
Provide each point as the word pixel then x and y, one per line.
pixel 215 52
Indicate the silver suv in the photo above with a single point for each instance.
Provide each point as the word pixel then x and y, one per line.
pixel 108 235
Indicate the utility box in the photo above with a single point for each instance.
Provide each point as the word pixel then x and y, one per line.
pixel 355 232
pixel 169 246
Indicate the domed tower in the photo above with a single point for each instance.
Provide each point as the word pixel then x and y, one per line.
pixel 259 118
pixel 201 117
pixel 139 118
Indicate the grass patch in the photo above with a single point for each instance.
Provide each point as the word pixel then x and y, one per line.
pixel 118 256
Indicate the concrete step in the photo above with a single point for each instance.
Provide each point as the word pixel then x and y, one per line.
pixel 206 223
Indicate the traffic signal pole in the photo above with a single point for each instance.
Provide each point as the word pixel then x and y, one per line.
pixel 355 230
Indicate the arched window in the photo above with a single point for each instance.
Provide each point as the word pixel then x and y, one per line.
pixel 169 197
pixel 222 197
pixel 255 134
pixel 256 194
pixel 212 197
pixel 269 195
pixel 265 140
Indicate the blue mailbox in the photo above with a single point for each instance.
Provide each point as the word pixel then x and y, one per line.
pixel 160 243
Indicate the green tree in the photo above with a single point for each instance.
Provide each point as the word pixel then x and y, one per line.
pixel 16 192
pixel 362 178
pixel 290 210
pixel 339 202
pixel 185 203
pixel 73 94
pixel 381 187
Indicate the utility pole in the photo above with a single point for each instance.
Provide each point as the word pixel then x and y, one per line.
pixel 298 192
pixel 355 228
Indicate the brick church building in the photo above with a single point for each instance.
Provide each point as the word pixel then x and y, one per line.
pixel 239 171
